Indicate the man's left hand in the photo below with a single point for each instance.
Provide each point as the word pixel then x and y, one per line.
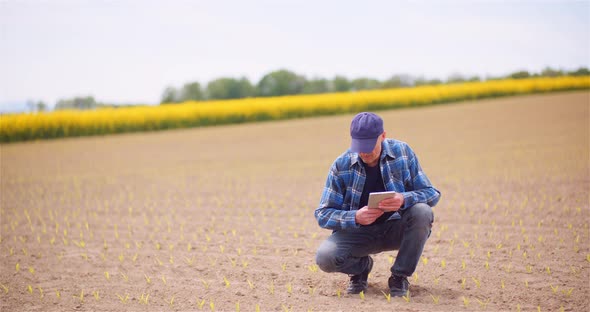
pixel 392 204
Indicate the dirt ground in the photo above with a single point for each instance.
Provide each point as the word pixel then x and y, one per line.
pixel 222 218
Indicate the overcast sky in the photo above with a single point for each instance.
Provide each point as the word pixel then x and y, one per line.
pixel 129 51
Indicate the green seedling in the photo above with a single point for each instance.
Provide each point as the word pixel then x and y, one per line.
pixel 81 296
pixel 226 281
pixel 387 296
pixel 189 261
pixel 201 304
pixel 465 301
pixel 568 292
pixel 123 299
pixel 554 289
pixel 4 287
pixel 407 297
pixel 96 295
pixel 424 260
pixel 435 299
pixel 362 295
pixel 483 304
pixel 171 301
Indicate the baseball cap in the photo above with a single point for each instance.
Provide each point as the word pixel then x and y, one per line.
pixel 365 128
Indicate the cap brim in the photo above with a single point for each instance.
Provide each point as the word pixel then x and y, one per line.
pixel 363 145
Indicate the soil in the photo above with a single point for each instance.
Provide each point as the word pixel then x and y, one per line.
pixel 221 218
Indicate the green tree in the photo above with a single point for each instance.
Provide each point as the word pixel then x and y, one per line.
pixel 191 92
pixel 316 85
pixel 87 102
pixel 582 71
pixel 280 82
pixel 398 81
pixel 520 74
pixel 230 88
pixel 456 78
pixel 426 82
pixel 170 95
pixel 38 106
pixel 550 72
pixel 341 84
pixel 365 84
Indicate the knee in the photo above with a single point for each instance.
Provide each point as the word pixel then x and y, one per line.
pixel 326 258
pixel 421 213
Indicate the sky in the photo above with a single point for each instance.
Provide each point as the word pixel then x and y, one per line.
pixel 128 52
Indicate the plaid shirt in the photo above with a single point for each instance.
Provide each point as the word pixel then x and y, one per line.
pixel 401 173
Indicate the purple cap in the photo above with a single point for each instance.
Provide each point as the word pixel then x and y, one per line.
pixel 365 129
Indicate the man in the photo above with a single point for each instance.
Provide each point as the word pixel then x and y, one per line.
pixel 402 222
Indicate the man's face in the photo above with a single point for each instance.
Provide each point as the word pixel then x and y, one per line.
pixel 372 158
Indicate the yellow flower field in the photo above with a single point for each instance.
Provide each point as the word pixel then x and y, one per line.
pixel 31 126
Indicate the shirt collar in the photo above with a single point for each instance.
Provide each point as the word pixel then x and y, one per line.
pixel 386 150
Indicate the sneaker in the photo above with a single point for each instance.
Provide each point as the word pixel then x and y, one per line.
pixel 398 285
pixel 359 282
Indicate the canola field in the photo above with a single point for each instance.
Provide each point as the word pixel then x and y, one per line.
pixel 221 218
pixel 22 127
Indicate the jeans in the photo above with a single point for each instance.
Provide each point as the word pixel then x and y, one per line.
pixel 347 251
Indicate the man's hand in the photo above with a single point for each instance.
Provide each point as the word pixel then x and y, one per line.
pixel 392 204
pixel 366 216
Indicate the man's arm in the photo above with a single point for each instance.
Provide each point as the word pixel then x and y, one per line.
pixel 329 213
pixel 422 190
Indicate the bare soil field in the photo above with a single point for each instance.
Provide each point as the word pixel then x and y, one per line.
pixel 222 219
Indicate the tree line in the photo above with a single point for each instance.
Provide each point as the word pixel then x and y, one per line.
pixel 285 82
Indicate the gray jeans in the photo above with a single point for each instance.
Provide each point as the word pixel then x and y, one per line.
pixel 347 251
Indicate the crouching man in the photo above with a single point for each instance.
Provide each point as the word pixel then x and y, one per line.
pixel 402 222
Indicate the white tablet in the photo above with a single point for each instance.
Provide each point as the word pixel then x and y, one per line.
pixel 376 197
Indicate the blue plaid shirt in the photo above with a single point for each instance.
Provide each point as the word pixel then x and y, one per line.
pixel 401 173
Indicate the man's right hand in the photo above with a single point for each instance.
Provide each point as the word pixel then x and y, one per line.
pixel 366 216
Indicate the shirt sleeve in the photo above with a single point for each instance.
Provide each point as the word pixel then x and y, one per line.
pixel 329 213
pixel 419 190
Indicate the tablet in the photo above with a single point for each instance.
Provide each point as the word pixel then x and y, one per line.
pixel 376 197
